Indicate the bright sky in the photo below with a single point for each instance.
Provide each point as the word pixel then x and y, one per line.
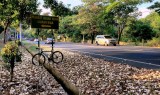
pixel 66 2
pixel 142 8
pixel 72 2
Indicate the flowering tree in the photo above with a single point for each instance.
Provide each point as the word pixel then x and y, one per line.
pixel 9 53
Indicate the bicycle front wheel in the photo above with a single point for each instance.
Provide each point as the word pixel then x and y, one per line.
pixel 57 57
pixel 38 59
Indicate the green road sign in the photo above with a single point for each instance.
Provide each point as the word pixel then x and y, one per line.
pixel 46 22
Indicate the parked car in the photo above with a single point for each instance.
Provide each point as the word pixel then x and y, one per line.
pixel 36 40
pixel 49 41
pixel 105 40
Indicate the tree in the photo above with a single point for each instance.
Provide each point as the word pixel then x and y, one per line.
pixel 156 6
pixel 139 31
pixel 88 17
pixel 58 9
pixel 68 29
pixel 14 11
pixel 154 20
pixel 118 13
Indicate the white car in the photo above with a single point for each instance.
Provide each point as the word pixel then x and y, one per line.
pixel 105 40
pixel 36 40
pixel 49 41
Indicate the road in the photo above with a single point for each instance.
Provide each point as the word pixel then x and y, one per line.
pixel 138 56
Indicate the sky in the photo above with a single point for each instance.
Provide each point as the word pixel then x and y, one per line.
pixel 66 2
pixel 142 8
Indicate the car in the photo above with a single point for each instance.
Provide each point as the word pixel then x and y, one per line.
pixel 36 40
pixel 49 41
pixel 105 40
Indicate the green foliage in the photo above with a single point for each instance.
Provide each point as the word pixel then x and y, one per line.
pixel 155 42
pixel 18 9
pixel 111 17
pixel 119 13
pixel 154 20
pixel 15 11
pixel 156 6
pixel 58 8
pixel 29 33
pixel 30 46
pixel 33 48
pixel 68 29
pixel 139 31
pixel 89 17
pixel 10 51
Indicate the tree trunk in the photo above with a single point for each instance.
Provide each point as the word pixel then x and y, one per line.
pixel 11 68
pixel 67 85
pixel 83 39
pixel 4 36
pixel 5 30
pixel 120 30
pixel 119 37
pixel 92 38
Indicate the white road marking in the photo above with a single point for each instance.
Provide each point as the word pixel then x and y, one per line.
pixel 135 49
pixel 119 58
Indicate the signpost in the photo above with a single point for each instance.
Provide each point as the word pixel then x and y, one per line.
pixel 46 22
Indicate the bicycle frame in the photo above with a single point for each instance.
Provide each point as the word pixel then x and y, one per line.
pixel 46 55
pixel 55 56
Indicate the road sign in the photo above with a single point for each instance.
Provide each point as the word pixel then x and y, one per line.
pixel 46 22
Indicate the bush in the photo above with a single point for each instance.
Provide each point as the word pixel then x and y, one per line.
pixel 10 51
pixel 155 42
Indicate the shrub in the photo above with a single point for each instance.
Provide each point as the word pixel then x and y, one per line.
pixel 9 51
pixel 155 42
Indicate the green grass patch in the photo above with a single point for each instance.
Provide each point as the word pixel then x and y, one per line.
pixel 30 46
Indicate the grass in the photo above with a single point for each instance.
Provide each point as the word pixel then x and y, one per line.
pixel 1 46
pixel 31 47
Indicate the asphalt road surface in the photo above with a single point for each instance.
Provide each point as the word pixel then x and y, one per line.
pixel 138 56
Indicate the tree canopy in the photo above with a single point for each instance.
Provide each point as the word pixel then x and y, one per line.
pixel 14 11
pixel 93 17
pixel 156 6
pixel 58 8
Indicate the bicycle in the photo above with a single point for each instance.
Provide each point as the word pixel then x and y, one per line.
pixel 55 57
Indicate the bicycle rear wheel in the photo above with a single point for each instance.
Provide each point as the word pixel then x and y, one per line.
pixel 57 57
pixel 38 59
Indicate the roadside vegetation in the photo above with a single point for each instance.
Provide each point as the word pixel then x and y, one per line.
pixel 30 46
pixel 82 23
pixel 118 18
pixel 92 76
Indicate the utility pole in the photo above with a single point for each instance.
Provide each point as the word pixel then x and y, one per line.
pixel 20 35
